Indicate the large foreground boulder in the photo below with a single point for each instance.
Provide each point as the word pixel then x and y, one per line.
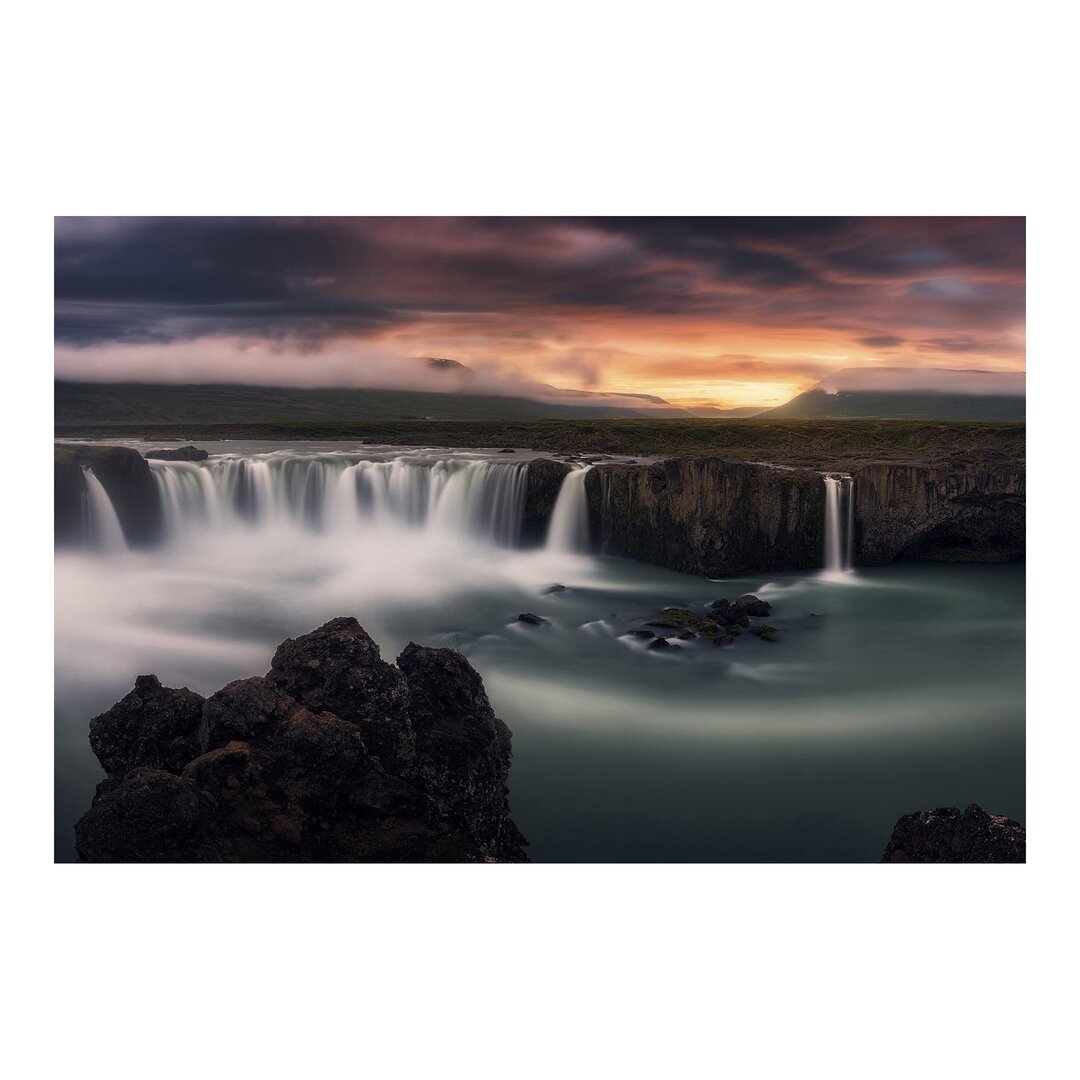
pixel 949 835
pixel 335 755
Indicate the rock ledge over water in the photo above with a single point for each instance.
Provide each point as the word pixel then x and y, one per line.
pixel 334 756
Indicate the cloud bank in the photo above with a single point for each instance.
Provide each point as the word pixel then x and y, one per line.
pixel 717 310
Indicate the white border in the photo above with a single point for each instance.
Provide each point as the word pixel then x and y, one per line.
pixel 565 108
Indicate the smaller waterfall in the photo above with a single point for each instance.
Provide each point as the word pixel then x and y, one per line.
pixel 839 523
pixel 101 526
pixel 569 527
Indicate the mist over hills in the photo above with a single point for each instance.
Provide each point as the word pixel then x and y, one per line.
pixel 880 393
pixel 910 394
pixel 79 403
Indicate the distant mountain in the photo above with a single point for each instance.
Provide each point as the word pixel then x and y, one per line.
pixel 910 394
pixel 452 376
pixel 94 404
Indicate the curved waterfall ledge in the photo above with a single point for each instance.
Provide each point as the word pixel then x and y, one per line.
pixel 701 515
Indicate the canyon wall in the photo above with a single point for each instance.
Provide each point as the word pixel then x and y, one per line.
pixel 720 518
pixel 708 516
pixel 701 515
pixel 965 511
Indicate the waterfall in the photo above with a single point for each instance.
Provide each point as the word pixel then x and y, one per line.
pixel 839 523
pixel 101 526
pixel 569 527
pixel 340 494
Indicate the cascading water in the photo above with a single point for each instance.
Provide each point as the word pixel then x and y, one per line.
pixel 338 494
pixel 101 526
pixel 839 523
pixel 569 527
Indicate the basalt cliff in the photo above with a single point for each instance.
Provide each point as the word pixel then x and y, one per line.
pixel 948 492
pixel 334 755
pixel 721 518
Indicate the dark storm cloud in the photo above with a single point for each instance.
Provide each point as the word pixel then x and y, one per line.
pixel 308 281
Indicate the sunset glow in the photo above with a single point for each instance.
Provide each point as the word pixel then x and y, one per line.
pixel 716 311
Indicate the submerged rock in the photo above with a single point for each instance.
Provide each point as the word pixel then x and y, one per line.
pixel 335 755
pixel 721 625
pixel 752 605
pixel 553 589
pixel 947 835
pixel 179 453
pixel 530 619
pixel 662 643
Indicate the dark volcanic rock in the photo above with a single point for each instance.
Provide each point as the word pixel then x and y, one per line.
pixel 532 620
pixel 245 709
pixel 662 643
pixel 553 589
pixel 338 669
pixel 752 605
pixel 947 835
pixel 272 774
pixel 152 727
pixel 462 747
pixel 179 453
pixel 152 816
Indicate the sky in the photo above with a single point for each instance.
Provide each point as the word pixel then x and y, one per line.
pixel 724 312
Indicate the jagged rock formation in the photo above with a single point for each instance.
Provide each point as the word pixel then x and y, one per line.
pixel 178 453
pixel 947 835
pixel 335 755
pixel 126 477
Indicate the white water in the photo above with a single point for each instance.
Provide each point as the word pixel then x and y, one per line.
pixel 568 530
pixel 101 526
pixel 620 753
pixel 339 494
pixel 839 523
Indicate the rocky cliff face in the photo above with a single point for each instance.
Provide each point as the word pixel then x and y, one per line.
pixel 721 518
pixel 708 516
pixel 969 510
pixel 542 482
pixel 126 477
pixel 334 756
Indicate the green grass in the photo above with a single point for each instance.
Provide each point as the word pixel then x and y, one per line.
pixel 108 404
